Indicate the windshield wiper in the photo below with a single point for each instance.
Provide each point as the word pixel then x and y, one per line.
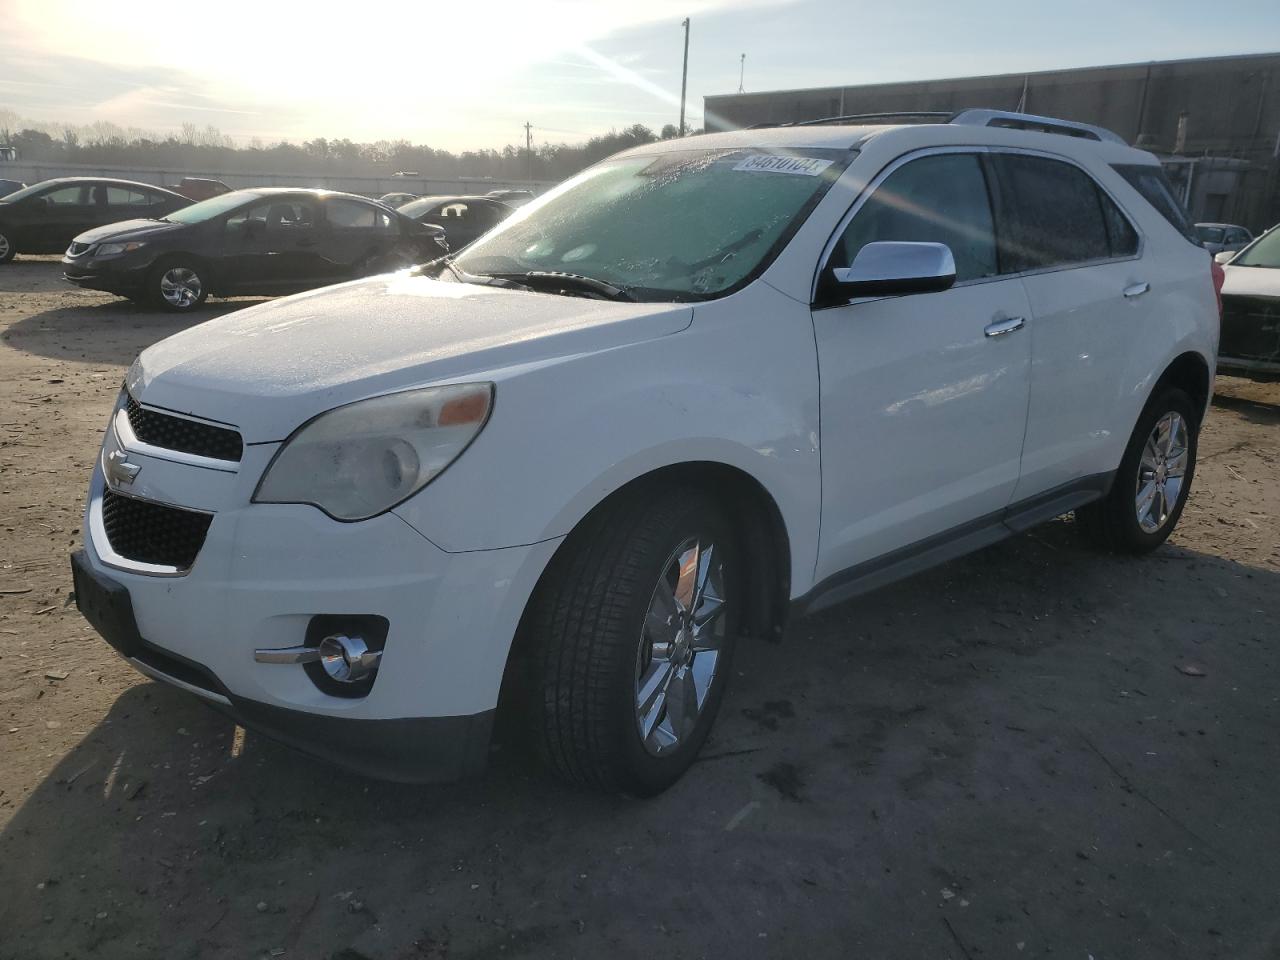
pixel 568 281
pixel 483 279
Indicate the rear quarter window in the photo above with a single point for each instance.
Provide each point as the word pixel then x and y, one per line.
pixel 1154 187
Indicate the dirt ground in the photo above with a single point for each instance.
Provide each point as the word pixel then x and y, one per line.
pixel 1036 751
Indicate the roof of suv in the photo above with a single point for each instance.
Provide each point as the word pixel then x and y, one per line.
pixel 969 127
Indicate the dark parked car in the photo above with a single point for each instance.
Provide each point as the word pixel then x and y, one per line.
pixel 44 218
pixel 512 198
pixel 200 188
pixel 1250 339
pixel 261 242
pixel 463 218
pixel 11 186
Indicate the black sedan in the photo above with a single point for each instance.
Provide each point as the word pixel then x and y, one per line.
pixel 257 242
pixel 44 218
pixel 463 218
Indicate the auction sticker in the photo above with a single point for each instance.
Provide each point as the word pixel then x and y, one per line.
pixel 766 163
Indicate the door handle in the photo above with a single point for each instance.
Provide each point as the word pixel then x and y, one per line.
pixel 998 328
pixel 1136 289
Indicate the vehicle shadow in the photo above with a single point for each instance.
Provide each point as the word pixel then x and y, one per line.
pixel 113 333
pixel 1032 745
pixel 1255 411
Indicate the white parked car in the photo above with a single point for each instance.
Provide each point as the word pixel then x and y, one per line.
pixel 701 385
pixel 1250 342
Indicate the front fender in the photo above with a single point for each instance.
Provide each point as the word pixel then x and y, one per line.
pixel 737 387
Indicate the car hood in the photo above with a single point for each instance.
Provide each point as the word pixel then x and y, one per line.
pixel 128 230
pixel 1251 281
pixel 269 368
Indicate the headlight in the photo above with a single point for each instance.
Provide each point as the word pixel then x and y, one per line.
pixel 115 249
pixel 362 459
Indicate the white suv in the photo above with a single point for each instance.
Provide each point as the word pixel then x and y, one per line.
pixel 695 387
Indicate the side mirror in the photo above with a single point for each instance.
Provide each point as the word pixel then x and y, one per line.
pixel 1226 256
pixel 889 268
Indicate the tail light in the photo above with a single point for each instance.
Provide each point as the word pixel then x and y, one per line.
pixel 1219 278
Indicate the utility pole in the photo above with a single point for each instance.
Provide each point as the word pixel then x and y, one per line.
pixel 528 146
pixel 684 75
pixel 742 72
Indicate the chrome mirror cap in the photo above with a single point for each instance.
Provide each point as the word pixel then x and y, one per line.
pixel 892 267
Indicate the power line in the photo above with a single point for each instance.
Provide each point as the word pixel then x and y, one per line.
pixel 742 72
pixel 528 146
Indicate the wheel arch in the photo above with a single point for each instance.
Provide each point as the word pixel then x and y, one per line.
pixel 1189 371
pixel 766 546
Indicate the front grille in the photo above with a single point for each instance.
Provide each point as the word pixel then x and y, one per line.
pixel 185 436
pixel 76 249
pixel 149 532
pixel 1250 327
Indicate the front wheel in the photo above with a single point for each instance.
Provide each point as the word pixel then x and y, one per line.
pixel 7 248
pixel 177 285
pixel 634 630
pixel 1151 487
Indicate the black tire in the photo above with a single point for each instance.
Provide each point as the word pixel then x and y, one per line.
pixel 589 643
pixel 158 280
pixel 8 247
pixel 1112 523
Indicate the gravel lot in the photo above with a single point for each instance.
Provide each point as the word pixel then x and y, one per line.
pixel 1035 751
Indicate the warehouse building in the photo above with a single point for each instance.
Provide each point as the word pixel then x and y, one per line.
pixel 1214 122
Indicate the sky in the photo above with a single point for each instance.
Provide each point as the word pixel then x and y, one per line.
pixel 469 75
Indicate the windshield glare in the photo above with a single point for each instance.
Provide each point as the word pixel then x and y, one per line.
pixel 208 209
pixel 684 225
pixel 1264 253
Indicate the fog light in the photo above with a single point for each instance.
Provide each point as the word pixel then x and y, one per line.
pixel 347 659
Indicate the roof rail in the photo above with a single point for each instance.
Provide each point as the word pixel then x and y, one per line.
pixel 911 116
pixel 1028 121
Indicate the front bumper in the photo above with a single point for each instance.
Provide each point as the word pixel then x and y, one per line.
pixel 122 275
pixel 265 571
pixel 406 749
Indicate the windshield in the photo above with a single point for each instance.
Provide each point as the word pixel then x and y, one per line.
pixel 1265 252
pixel 1210 234
pixel 685 225
pixel 418 207
pixel 214 206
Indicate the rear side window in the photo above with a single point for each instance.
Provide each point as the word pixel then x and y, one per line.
pixel 1150 181
pixel 1053 215
pixel 939 199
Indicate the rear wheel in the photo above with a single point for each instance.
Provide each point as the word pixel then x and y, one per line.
pixel 1151 487
pixel 177 285
pixel 7 249
pixel 634 630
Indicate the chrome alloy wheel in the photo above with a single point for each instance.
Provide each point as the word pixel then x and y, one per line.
pixel 1161 472
pixel 4 246
pixel 680 644
pixel 180 286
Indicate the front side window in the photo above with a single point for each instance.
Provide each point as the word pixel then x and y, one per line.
pixel 681 225
pixel 350 215
pixel 1210 234
pixel 940 199
pixel 271 218
pixel 66 196
pixel 1053 215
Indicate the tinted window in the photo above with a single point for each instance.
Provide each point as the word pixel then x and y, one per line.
pixel 1150 181
pixel 386 222
pixel 940 199
pixel 272 218
pixel 1237 236
pixel 350 214
pixel 1209 234
pixel 1052 214
pixel 122 197
pixel 1121 236
pixel 66 196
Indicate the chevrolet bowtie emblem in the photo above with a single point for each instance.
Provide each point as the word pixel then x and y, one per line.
pixel 120 472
